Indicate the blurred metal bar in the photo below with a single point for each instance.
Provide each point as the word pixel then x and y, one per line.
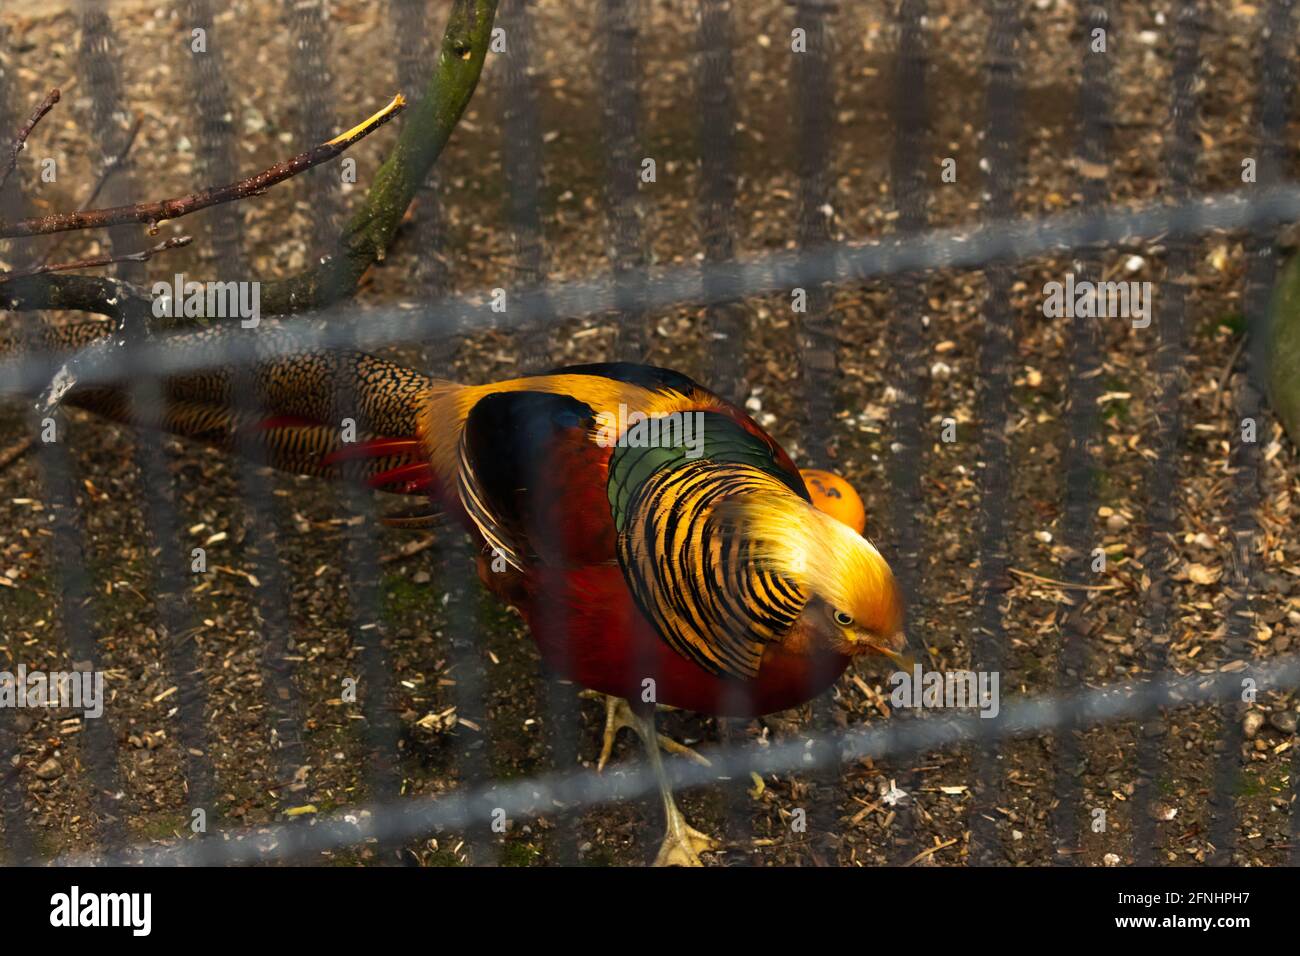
pixel 216 135
pixel 1275 92
pixel 993 414
pixel 466 633
pixel 177 621
pixel 1092 151
pixel 715 95
pixel 286 713
pixel 813 89
pixel 97 67
pixel 725 322
pixel 906 461
pixel 99 750
pixel 312 80
pixel 1163 477
pixel 1275 86
pixel 621 108
pixel 310 76
pixel 19 844
pixel 521 158
pixel 369 636
pixel 415 46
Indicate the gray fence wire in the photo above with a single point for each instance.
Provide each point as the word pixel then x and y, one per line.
pixel 839 263
pixel 410 819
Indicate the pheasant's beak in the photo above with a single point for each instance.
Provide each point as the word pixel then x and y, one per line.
pixel 896 651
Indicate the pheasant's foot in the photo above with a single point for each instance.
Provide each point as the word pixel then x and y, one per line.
pixel 681 750
pixel 618 714
pixel 683 844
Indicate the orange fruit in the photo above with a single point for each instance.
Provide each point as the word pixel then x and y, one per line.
pixel 836 497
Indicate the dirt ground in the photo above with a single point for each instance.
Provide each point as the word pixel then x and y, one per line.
pixel 423 597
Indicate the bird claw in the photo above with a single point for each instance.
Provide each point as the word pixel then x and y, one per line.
pixel 681 750
pixel 618 714
pixel 683 844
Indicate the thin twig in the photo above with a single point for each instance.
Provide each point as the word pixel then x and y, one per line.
pixel 15 451
pixel 1222 388
pixel 20 141
pixel 930 849
pixel 1065 585
pixel 154 213
pixel 858 817
pixel 110 167
pixel 410 549
pixel 94 262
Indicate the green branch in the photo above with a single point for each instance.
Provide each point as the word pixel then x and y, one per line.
pixel 364 241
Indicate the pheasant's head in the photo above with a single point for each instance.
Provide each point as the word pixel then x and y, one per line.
pixel 854 605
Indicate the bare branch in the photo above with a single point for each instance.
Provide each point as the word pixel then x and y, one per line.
pixel 154 213
pixel 362 242
pixel 20 141
pixel 98 294
pixel 95 262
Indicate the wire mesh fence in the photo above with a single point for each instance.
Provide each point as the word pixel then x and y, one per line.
pixel 732 288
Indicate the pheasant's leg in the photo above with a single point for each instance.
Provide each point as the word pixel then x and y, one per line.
pixel 618 714
pixel 683 844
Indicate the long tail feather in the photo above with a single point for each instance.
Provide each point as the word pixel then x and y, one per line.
pixel 375 448
pixel 411 479
pixel 302 399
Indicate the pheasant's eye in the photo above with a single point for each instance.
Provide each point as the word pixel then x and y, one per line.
pixel 842 619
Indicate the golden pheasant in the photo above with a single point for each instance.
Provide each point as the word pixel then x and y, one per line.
pixel 662 548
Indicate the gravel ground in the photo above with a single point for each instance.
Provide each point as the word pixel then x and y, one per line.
pixel 423 597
